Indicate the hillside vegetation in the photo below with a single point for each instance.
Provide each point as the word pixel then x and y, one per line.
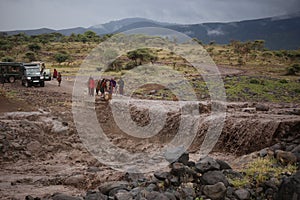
pixel 266 75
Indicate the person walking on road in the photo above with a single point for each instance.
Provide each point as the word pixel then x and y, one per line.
pixel 91 86
pixel 59 78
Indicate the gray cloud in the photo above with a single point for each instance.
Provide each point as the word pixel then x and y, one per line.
pixel 58 14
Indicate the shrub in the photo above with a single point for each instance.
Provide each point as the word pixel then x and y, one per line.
pixel 30 56
pixel 254 81
pixel 61 57
pixel 34 47
pixel 292 70
pixel 7 59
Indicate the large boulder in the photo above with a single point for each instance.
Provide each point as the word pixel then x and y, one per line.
pixel 207 164
pixel 107 187
pixel 216 191
pixel 285 157
pixel 289 188
pixel 213 177
pixel 242 194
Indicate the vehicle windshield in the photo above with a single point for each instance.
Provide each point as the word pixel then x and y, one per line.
pixel 32 71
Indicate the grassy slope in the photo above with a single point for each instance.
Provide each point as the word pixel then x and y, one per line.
pixel 263 77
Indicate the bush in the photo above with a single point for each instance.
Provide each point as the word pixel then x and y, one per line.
pixel 30 56
pixel 130 65
pixel 292 70
pixel 34 47
pixel 254 81
pixel 7 59
pixel 61 57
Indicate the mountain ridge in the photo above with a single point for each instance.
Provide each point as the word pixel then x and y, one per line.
pixel 281 32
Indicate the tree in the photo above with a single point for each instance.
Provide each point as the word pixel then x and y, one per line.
pixel 61 57
pixel 34 47
pixel 30 56
pixel 292 70
pixel 141 55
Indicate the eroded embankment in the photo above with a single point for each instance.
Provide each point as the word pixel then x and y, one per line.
pixel 248 127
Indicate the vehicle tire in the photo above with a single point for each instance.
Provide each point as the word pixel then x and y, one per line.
pixel 42 84
pixel 27 84
pixel 11 79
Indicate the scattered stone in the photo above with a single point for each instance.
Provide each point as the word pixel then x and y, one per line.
pixel 60 196
pixel 242 194
pixel 289 188
pixel 207 164
pixel 285 157
pixel 249 110
pixel 223 165
pixel 106 187
pixel 213 177
pixel 123 195
pixel 161 175
pixel 296 152
pixel 184 158
pixel 170 196
pixel 262 107
pixel 156 196
pixel 94 195
pixel 76 181
pixel 173 154
pixel 263 153
pixel 216 191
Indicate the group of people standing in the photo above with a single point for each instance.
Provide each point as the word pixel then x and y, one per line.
pixel 104 86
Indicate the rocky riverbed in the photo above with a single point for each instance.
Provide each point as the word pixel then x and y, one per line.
pixel 43 157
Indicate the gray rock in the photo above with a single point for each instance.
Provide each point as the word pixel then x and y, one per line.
pixel 285 157
pixel 276 147
pixel 170 195
pixel 156 196
pixel 223 164
pixel 263 153
pixel 161 175
pixel 94 195
pixel 173 154
pixel 242 194
pixel 213 177
pixel 262 107
pixel 76 180
pixel 296 152
pixel 60 196
pixel 189 192
pixel 207 164
pixel 135 191
pixel 134 177
pixel 106 187
pixel 216 191
pixel 289 188
pixel 177 169
pixel 151 187
pixel 184 158
pixel 123 195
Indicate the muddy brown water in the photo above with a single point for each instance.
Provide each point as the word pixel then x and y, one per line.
pixel 41 152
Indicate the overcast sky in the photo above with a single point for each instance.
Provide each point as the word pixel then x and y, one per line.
pixel 60 14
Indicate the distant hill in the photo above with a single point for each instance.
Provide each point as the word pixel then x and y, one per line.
pixel 280 32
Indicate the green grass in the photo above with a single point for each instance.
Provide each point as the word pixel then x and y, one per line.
pixel 262 89
pixel 261 170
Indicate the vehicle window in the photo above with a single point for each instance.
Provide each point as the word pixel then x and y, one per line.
pixel 32 71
